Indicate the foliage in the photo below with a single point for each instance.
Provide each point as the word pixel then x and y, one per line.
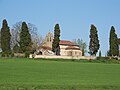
pixel 27 54
pixel 94 41
pixel 108 53
pixel 113 42
pixel 5 37
pixel 31 74
pixel 82 44
pixel 119 41
pixel 25 39
pixel 83 52
pixel 56 40
pixel 100 54
pixel 16 49
pixel 6 54
pixel 104 59
pixel 35 37
pixel 0 38
pixel 12 54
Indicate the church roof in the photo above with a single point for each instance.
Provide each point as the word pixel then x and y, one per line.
pixel 66 42
pixel 72 47
pixel 47 48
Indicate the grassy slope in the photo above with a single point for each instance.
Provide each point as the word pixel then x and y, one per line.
pixel 34 74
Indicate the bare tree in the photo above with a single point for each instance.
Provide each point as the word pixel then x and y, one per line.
pixel 82 45
pixel 15 32
pixel 36 38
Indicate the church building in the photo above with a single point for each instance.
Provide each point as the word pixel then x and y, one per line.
pixel 67 48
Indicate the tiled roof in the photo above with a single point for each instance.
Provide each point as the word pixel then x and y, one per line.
pixel 65 42
pixel 73 47
pixel 46 47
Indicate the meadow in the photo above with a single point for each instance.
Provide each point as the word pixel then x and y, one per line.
pixel 30 74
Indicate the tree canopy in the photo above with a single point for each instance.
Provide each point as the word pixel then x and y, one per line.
pixel 25 39
pixel 94 41
pixel 5 37
pixel 35 37
pixel 56 40
pixel 82 45
pixel 119 41
pixel 113 42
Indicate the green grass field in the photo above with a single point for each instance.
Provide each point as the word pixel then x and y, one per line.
pixel 28 74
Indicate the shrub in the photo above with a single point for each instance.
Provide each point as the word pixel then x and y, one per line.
pixel 12 54
pixel 6 54
pixel 103 58
pixel 3 54
pixel 27 54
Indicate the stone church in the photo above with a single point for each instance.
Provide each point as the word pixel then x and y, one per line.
pixel 67 48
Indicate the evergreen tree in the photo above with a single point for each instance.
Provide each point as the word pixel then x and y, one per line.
pixel 94 42
pixel 113 41
pixel 16 48
pixel 100 53
pixel 108 53
pixel 56 40
pixel 5 37
pixel 25 39
pixel 119 41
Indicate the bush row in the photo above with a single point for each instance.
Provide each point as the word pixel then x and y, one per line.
pixel 11 54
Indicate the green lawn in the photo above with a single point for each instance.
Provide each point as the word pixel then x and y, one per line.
pixel 28 74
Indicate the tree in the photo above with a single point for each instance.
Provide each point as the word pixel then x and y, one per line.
pixel 35 37
pixel 0 39
pixel 82 45
pixel 83 52
pixel 113 42
pixel 25 39
pixel 16 49
pixel 5 37
pixel 119 41
pixel 94 42
pixel 108 53
pixel 56 40
pixel 119 46
pixel 100 53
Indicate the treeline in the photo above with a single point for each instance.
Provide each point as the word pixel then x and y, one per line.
pixel 94 45
pixel 24 38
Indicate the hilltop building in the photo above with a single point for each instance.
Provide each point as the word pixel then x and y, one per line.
pixel 67 48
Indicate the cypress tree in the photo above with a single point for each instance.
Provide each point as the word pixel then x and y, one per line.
pixel 100 54
pixel 108 53
pixel 119 41
pixel 113 42
pixel 5 37
pixel 25 39
pixel 16 48
pixel 94 42
pixel 56 40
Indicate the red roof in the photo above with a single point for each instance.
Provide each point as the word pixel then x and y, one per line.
pixel 46 47
pixel 65 42
pixel 72 47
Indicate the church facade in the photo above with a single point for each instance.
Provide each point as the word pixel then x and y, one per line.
pixel 67 48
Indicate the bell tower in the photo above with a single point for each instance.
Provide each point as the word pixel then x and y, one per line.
pixel 49 39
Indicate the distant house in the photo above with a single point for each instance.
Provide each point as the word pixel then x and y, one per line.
pixel 67 48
